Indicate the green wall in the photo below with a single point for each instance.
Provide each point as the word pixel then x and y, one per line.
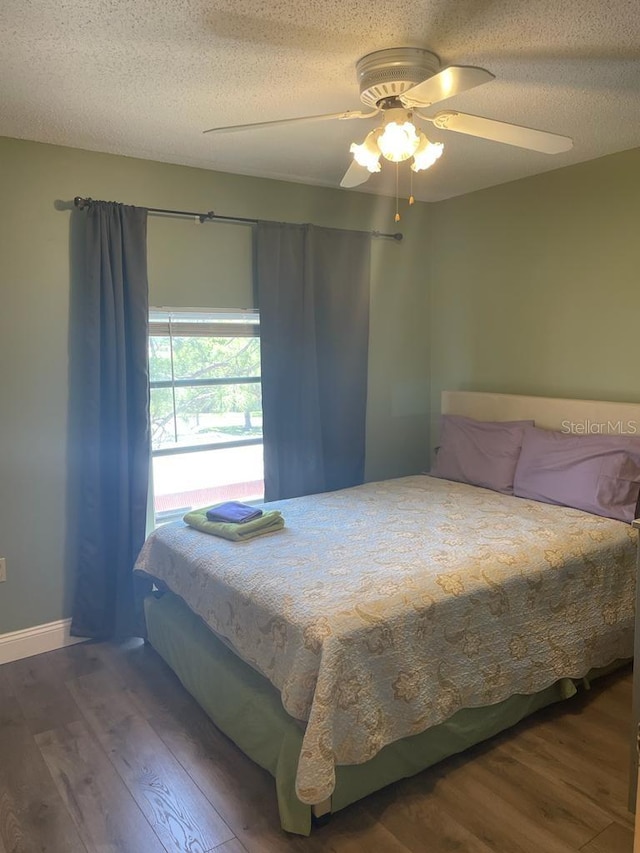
pixel 534 285
pixel 529 287
pixel 190 265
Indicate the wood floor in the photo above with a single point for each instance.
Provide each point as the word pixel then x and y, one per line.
pixel 101 750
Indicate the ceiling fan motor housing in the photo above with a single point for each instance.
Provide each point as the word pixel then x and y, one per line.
pixel 388 73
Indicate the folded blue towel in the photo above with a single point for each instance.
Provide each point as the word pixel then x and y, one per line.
pixel 233 511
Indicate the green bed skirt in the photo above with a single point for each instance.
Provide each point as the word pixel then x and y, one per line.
pixel 248 709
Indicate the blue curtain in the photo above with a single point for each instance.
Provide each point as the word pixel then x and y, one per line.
pixel 112 320
pixel 313 296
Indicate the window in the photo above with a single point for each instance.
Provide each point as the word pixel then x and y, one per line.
pixel 206 409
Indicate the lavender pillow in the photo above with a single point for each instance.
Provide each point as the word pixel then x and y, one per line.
pixel 596 473
pixel 481 453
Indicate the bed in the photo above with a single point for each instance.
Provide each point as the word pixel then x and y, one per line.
pixel 393 624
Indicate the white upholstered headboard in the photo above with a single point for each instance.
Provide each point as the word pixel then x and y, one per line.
pixel 580 417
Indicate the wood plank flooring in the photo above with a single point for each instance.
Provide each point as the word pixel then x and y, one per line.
pixel 103 751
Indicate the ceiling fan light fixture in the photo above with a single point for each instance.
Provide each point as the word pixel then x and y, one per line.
pixel 426 153
pixel 368 154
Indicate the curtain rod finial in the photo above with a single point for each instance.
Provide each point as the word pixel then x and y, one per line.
pixel 397 236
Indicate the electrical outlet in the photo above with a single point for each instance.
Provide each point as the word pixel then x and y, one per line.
pixel 3 569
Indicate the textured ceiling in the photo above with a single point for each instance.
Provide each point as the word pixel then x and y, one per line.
pixel 145 77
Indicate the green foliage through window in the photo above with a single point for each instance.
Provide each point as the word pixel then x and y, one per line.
pixel 198 401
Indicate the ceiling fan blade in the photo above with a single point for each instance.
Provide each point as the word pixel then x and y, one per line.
pixel 445 84
pixel 262 124
pixel 355 175
pixel 502 131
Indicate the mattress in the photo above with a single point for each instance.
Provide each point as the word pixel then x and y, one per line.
pixel 383 610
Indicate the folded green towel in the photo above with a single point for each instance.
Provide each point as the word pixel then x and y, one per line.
pixel 268 522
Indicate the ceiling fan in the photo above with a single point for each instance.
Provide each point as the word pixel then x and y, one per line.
pixel 399 82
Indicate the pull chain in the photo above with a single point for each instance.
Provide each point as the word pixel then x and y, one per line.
pixel 397 216
pixel 411 198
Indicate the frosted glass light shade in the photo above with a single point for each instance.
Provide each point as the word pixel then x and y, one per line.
pixel 426 154
pixel 398 142
pixel 367 154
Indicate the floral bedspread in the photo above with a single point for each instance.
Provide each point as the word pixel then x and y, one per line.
pixel 380 611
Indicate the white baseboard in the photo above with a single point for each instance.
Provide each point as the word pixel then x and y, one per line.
pixel 36 640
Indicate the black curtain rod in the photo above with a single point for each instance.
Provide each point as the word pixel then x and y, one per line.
pixel 210 216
